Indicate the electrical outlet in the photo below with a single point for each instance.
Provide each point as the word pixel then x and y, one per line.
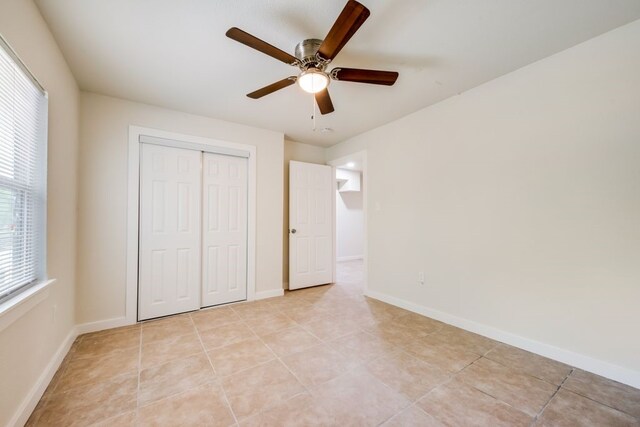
pixel 421 278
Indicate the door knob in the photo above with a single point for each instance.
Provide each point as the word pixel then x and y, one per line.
pixel 293 231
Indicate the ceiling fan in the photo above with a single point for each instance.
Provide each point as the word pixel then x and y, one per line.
pixel 313 56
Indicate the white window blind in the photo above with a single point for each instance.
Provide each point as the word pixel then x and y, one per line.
pixel 23 135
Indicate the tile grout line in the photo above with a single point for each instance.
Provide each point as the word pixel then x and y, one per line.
pixel 363 364
pixel 206 353
pixel 360 364
pixel 526 375
pixel 357 363
pixel 184 356
pixel 594 400
pixel 449 380
pixel 139 376
pixel 535 419
pixel 307 389
pixel 244 321
pixel 174 394
pixel 452 377
pixel 277 357
pixel 491 395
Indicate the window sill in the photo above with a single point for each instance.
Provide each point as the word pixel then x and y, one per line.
pixel 16 307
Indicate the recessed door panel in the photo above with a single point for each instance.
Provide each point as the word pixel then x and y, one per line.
pixel 183 273
pixel 183 207
pixel 225 229
pixel 212 210
pixel 234 206
pixel 212 262
pixel 302 205
pixel 321 262
pixel 157 275
pixel 302 255
pixel 158 206
pixel 169 252
pixel 233 260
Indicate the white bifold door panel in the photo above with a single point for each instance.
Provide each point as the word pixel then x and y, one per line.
pixel 311 193
pixel 170 229
pixel 224 225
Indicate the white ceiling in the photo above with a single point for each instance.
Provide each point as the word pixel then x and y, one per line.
pixel 175 54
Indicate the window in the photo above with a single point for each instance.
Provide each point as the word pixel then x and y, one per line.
pixel 23 153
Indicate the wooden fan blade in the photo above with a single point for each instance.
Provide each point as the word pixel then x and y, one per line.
pixel 272 88
pixel 260 45
pixel 351 18
pixel 376 77
pixel 324 102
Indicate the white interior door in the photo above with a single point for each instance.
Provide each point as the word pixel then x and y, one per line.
pixel 170 216
pixel 224 238
pixel 310 225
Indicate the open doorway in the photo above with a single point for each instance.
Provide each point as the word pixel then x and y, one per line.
pixel 350 222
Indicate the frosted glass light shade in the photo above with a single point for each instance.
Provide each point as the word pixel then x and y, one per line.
pixel 313 80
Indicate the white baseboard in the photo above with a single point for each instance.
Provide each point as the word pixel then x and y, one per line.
pixel 587 363
pixel 349 258
pixel 29 403
pixel 101 325
pixel 269 294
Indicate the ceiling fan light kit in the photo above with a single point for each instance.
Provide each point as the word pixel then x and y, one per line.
pixel 313 56
pixel 313 80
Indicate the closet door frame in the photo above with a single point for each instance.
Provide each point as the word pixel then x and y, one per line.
pixel 139 134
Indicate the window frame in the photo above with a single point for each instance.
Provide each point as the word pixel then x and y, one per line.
pixel 18 296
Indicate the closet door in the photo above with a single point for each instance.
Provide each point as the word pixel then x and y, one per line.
pixel 224 224
pixel 170 226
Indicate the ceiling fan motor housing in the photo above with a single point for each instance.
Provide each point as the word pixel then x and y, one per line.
pixel 306 53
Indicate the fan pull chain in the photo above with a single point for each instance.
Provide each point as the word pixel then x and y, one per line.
pixel 313 117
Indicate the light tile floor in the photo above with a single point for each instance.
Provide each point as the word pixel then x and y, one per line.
pixel 323 356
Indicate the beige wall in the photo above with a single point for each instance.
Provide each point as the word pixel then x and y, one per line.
pixel 30 343
pixel 520 200
pixel 303 153
pixel 103 196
